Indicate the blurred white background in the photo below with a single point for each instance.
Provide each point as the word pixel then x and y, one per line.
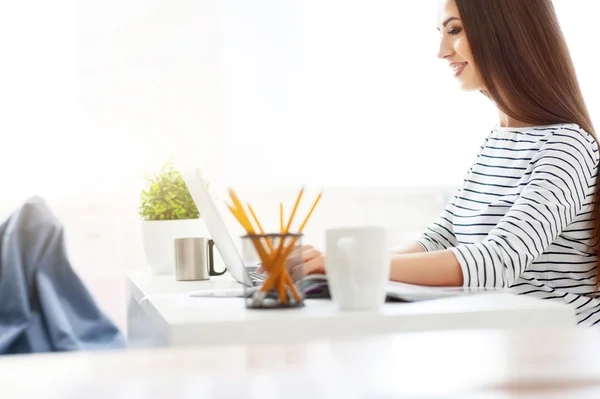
pixel 268 93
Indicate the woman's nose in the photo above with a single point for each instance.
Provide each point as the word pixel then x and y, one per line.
pixel 445 50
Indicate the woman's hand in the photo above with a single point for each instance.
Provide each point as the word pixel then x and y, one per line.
pixel 303 261
pixel 312 260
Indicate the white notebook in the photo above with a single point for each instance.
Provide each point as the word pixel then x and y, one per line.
pixel 316 286
pixel 396 291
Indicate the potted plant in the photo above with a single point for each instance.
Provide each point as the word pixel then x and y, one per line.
pixel 168 212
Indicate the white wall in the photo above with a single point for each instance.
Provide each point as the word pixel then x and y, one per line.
pixel 268 58
pixel 338 92
pixel 318 92
pixel 150 86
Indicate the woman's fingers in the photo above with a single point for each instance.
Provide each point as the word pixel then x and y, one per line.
pixel 310 254
pixel 306 260
pixel 315 265
pixel 301 249
pixel 303 254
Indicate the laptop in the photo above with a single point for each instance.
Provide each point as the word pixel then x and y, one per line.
pixel 313 286
pixel 234 262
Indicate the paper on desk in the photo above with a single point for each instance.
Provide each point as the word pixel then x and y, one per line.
pixel 223 293
pixel 412 292
pixel 402 291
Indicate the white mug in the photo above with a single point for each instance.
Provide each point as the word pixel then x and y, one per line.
pixel 357 267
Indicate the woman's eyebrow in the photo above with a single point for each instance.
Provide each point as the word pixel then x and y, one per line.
pixel 446 22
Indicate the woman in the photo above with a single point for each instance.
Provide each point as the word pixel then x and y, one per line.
pixel 524 218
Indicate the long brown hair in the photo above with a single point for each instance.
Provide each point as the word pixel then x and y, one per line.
pixel 526 69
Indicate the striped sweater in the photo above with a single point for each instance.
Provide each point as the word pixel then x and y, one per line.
pixel 522 219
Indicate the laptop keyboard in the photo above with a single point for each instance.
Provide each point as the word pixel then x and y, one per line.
pixel 256 276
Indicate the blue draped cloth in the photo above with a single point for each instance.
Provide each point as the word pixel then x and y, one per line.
pixel 44 305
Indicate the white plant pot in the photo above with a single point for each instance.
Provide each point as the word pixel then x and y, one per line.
pixel 158 237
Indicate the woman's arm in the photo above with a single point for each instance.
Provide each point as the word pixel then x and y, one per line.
pixel 558 190
pixel 438 268
pixel 439 234
pixel 410 248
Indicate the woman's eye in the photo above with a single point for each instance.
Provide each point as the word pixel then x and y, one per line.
pixel 454 31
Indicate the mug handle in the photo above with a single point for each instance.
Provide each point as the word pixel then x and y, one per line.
pixel 211 261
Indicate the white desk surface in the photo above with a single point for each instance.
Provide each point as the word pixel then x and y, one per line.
pixel 480 364
pixel 185 320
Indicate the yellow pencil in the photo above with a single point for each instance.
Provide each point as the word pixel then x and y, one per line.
pixel 281 217
pixel 281 259
pixel 274 262
pixel 269 243
pixel 287 229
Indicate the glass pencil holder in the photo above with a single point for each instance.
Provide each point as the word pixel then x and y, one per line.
pixel 274 284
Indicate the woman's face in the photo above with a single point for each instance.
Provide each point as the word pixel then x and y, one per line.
pixel 455 48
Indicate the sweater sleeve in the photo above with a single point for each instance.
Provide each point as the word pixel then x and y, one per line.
pixel 439 234
pixel 560 187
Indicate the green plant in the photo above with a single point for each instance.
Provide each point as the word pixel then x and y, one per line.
pixel 166 196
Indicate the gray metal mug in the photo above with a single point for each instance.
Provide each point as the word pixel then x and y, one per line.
pixel 194 259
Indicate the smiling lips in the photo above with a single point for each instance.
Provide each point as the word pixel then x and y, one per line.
pixel 458 67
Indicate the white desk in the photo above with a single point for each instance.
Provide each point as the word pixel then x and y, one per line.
pixel 162 312
pixel 445 364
